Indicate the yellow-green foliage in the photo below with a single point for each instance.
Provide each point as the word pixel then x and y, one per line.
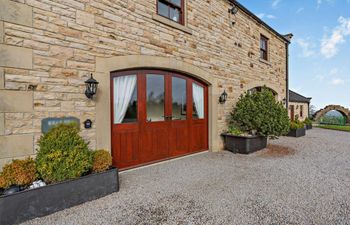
pixel 296 124
pixel 18 172
pixel 3 183
pixel 63 154
pixel 102 160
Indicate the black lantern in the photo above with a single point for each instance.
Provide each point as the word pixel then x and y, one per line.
pixel 91 87
pixel 233 10
pixel 223 97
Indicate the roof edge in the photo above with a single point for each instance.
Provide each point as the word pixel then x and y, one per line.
pixel 247 11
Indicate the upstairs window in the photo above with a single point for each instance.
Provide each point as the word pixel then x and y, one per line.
pixel 263 47
pixel 171 9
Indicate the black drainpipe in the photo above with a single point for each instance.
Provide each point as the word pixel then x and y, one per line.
pixel 287 75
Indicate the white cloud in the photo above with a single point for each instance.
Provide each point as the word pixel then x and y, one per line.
pixel 301 9
pixel 275 3
pixel 334 72
pixel 306 47
pixel 320 2
pixel 268 16
pixel 337 81
pixel 330 45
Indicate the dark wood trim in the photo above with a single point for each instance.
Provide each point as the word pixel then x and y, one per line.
pixel 129 140
pixel 161 160
pixel 174 6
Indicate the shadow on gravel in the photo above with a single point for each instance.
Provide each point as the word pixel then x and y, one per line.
pixel 273 151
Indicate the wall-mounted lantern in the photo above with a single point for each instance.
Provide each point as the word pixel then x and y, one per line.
pixel 223 97
pixel 87 124
pixel 91 87
pixel 233 10
pixel 284 101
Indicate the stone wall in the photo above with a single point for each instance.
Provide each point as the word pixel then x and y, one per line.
pixel 48 48
pixel 297 110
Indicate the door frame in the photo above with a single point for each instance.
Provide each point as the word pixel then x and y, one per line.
pixel 104 66
pixel 141 123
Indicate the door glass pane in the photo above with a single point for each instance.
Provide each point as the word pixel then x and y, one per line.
pixel 163 9
pixel 155 97
pixel 125 99
pixel 198 101
pixel 179 98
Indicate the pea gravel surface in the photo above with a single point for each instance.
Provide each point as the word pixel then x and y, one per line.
pixel 296 181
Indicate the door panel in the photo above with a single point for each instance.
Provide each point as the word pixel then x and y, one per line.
pixel 158 122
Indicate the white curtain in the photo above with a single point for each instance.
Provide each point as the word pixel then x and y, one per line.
pixel 198 98
pixel 124 87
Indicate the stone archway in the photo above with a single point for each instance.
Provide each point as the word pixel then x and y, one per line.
pixel 104 66
pixel 344 111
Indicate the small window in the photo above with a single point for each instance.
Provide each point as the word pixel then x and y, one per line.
pixel 301 111
pixel 263 47
pixel 171 9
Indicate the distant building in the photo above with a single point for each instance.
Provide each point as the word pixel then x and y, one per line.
pixel 299 106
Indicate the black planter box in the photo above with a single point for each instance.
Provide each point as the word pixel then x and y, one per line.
pixel 308 127
pixel 244 144
pixel 29 204
pixel 297 133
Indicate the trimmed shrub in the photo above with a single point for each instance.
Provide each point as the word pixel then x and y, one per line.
pixel 307 121
pixel 63 154
pixel 234 130
pixel 296 124
pixel 102 160
pixel 18 172
pixel 259 113
pixel 3 183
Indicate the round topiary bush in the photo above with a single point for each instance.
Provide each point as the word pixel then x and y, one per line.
pixel 102 160
pixel 18 172
pixel 63 154
pixel 259 113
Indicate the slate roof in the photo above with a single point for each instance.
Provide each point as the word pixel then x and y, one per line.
pixel 295 97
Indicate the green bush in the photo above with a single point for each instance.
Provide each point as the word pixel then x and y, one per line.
pixel 234 130
pixel 296 124
pixel 63 154
pixel 102 160
pixel 259 113
pixel 18 172
pixel 307 121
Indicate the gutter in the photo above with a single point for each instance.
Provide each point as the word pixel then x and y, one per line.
pixel 257 19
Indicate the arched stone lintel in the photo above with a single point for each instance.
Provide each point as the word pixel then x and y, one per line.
pixel 104 66
pixel 344 111
pixel 253 84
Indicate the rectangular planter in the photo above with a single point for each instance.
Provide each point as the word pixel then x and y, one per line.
pixel 297 133
pixel 308 127
pixel 29 204
pixel 244 145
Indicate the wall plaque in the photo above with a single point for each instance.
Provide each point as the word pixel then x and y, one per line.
pixel 48 123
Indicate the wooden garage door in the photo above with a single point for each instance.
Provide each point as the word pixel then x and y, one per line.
pixel 156 115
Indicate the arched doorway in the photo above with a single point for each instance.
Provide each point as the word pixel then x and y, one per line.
pixel 259 88
pixel 156 115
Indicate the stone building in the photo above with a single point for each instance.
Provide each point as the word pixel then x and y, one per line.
pixel 299 106
pixel 152 59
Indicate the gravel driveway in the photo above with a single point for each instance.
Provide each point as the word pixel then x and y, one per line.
pixel 309 183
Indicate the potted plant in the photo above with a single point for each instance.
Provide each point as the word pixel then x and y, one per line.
pixel 297 129
pixel 308 123
pixel 255 118
pixel 72 172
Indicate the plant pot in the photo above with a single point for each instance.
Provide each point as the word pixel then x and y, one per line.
pixel 297 132
pixel 11 190
pixel 308 127
pixel 29 204
pixel 244 144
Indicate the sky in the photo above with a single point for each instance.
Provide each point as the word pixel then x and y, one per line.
pixel 320 49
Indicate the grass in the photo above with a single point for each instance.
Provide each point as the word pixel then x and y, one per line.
pixel 335 127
